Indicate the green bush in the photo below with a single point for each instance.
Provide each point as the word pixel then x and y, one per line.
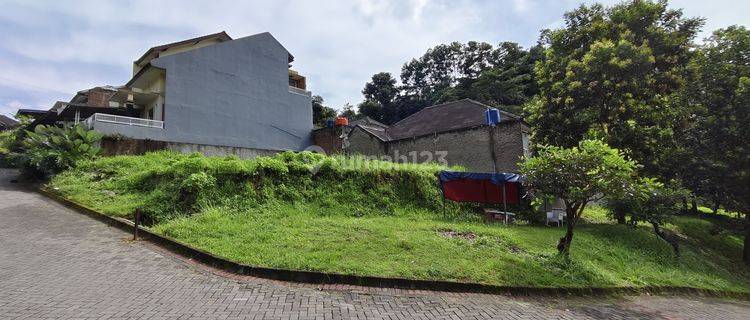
pixel 49 149
pixel 10 142
pixel 650 201
pixel 172 184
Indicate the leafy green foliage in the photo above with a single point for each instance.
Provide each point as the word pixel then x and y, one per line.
pixel 718 152
pixel 50 149
pixel 339 215
pixel 616 74
pixel 380 97
pixel 648 200
pixel 577 175
pixel 177 184
pixel 501 76
pixel 10 142
pixel 321 113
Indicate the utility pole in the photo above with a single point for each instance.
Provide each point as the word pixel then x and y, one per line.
pixel 492 148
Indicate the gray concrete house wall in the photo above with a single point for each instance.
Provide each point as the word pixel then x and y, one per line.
pixel 469 147
pixel 234 93
pixel 361 142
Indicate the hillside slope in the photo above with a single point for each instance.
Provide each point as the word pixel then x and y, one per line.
pixel 309 212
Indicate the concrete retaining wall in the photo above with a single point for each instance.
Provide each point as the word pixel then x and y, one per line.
pixel 119 146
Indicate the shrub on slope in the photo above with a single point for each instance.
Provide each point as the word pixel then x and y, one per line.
pixel 166 184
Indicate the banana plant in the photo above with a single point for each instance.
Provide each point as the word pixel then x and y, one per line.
pixel 50 149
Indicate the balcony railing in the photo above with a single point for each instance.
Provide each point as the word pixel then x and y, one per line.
pixel 300 91
pixel 129 121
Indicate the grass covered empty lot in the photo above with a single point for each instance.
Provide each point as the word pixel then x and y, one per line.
pixel 308 212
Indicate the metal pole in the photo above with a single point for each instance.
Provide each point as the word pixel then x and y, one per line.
pixel 442 191
pixel 444 216
pixel 137 221
pixel 492 148
pixel 505 204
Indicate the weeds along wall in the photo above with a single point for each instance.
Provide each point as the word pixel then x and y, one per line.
pixel 166 185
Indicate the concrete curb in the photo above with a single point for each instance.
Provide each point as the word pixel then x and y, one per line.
pixel 214 261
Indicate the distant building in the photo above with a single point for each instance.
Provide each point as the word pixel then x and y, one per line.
pixel 331 139
pixel 7 123
pixel 212 94
pixel 455 131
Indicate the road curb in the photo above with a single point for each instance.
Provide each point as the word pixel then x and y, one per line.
pixel 214 261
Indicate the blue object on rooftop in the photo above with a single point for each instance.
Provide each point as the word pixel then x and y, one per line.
pixel 330 123
pixel 492 116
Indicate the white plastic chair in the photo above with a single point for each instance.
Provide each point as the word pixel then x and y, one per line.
pixel 555 216
pixel 552 217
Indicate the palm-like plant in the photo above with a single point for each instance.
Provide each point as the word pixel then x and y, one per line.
pixel 50 149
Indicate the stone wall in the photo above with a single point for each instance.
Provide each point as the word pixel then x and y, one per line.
pixel 120 146
pixel 361 142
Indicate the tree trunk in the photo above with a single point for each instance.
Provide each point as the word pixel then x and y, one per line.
pixel 669 238
pixel 684 205
pixel 715 209
pixel 563 246
pixel 694 206
pixel 620 216
pixel 746 247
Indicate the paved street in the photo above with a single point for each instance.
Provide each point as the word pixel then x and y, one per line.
pixel 55 263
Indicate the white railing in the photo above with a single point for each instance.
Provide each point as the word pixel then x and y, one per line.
pixel 300 91
pixel 130 121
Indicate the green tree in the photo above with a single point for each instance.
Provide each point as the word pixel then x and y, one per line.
pixel 380 97
pixel 348 112
pixel 372 109
pixel 49 149
pixel 502 76
pixel 615 74
pixel 721 137
pixel 10 140
pixel 381 89
pixel 320 112
pixel 577 175
pixel 650 201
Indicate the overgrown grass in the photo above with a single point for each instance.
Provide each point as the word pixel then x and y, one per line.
pixel 308 212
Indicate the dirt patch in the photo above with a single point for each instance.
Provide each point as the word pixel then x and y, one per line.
pixel 458 235
pixel 514 248
pixel 475 239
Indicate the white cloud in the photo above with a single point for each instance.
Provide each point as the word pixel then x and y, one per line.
pixel 9 108
pixel 71 45
pixel 521 6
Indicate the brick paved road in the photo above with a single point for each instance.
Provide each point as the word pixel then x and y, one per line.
pixel 55 263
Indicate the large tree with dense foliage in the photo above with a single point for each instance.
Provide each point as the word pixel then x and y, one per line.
pixel 614 74
pixel 577 175
pixel 498 76
pixel 719 143
pixel 380 97
pixel 320 112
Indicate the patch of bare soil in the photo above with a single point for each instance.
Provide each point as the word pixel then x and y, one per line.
pixel 460 235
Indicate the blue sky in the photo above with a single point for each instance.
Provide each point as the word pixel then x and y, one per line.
pixel 51 49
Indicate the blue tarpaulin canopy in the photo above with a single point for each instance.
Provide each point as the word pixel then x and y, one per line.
pixel 481 187
pixel 496 178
